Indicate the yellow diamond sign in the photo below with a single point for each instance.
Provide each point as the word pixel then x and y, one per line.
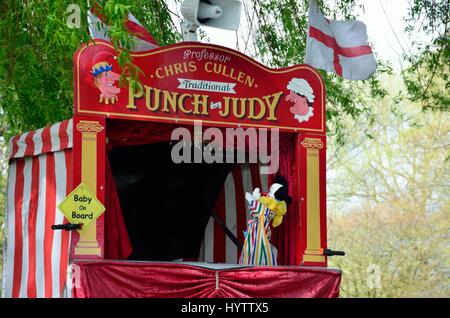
pixel 81 206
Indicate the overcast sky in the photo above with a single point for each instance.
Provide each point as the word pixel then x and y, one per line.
pixel 385 29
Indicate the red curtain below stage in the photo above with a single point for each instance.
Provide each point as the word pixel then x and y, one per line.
pixel 165 280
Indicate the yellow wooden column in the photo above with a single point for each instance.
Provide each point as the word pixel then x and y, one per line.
pixel 88 244
pixel 313 252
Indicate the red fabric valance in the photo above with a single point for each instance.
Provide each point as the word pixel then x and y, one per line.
pixel 173 280
pixel 131 133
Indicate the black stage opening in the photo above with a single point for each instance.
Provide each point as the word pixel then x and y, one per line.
pixel 166 206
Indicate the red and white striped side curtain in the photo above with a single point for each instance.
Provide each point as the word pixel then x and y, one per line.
pixel 39 178
pixel 232 209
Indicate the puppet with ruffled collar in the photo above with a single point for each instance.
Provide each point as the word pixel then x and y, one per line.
pixel 257 249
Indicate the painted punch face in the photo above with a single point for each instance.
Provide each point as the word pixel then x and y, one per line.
pixel 300 106
pixel 104 78
pixel 106 83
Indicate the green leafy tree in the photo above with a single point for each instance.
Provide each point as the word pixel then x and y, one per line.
pixel 427 75
pixel 389 205
pixel 36 49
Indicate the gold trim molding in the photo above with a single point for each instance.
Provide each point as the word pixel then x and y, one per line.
pixel 88 244
pixel 313 251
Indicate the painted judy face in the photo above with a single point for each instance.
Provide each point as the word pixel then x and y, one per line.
pixel 105 82
pixel 300 106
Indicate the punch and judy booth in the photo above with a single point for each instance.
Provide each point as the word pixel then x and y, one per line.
pixel 115 196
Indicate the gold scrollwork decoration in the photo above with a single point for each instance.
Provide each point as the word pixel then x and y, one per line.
pixel 89 126
pixel 313 143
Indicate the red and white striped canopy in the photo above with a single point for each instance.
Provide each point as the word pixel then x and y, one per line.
pixel 39 179
pixel 49 139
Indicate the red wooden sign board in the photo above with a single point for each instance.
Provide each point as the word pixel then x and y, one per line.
pixel 194 81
